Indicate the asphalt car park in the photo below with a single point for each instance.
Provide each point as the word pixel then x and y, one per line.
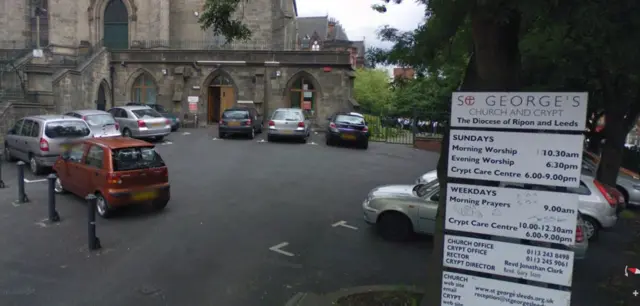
pixel 250 222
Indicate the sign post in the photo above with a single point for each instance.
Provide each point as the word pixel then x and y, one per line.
pixel 521 151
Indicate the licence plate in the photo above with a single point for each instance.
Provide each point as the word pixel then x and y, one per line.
pixel 348 137
pixel 144 196
pixel 286 131
pixel 234 123
pixel 158 125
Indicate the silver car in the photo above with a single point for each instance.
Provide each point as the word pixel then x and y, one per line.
pixel 289 123
pixel 39 140
pixel 627 184
pixel 598 204
pixel 102 124
pixel 141 122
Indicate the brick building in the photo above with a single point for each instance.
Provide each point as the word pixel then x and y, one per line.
pixel 102 53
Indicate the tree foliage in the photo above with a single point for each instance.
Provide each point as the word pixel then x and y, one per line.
pixel 224 18
pixel 371 89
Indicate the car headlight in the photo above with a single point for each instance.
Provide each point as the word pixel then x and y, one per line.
pixel 636 186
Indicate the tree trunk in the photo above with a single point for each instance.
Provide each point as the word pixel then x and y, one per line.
pixel 494 66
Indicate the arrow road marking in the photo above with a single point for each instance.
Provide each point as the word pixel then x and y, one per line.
pixel 344 224
pixel 277 248
pixel 35 181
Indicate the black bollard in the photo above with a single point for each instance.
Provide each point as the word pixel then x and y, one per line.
pixel 53 214
pixel 22 197
pixel 2 185
pixel 94 242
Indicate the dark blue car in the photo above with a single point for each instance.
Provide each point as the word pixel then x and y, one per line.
pixel 345 127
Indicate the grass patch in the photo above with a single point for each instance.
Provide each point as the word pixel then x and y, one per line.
pixel 628 214
pixel 382 298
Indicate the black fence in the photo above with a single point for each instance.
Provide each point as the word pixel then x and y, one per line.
pixel 403 130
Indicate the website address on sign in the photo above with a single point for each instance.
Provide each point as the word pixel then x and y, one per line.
pixel 512 298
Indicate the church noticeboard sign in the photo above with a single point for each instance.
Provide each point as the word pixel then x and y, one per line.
pixel 193 103
pixel 306 105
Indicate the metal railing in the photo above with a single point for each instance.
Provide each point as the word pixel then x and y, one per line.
pixel 203 45
pixel 403 130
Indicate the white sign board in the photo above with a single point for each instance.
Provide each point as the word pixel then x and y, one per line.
pixel 515 213
pixel 193 99
pixel 465 290
pixel 509 259
pixel 566 111
pixel 530 158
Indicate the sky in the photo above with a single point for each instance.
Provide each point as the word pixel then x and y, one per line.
pixel 360 21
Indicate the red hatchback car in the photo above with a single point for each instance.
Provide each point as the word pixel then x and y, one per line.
pixel 119 171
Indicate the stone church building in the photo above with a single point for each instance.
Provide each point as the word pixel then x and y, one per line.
pixel 97 54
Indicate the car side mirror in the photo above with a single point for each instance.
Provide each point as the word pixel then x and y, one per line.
pixel 435 197
pixel 329 118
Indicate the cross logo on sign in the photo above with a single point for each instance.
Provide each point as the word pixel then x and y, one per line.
pixel 469 100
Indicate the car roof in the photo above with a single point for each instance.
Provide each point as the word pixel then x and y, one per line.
pixel 246 109
pixel 119 142
pixel 90 112
pixel 284 109
pixel 52 118
pixel 349 114
pixel 133 107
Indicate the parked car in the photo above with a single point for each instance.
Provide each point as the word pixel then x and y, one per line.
pixel 242 120
pixel 118 170
pixel 347 127
pixel 38 140
pixel 101 123
pixel 398 211
pixel 627 183
pixel 289 123
pixel 175 121
pixel 141 122
pixel 599 204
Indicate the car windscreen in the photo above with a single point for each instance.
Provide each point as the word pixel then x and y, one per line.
pixel 159 108
pixel 425 189
pixel 136 158
pixel 349 119
pixel 146 113
pixel 66 129
pixel 287 116
pixel 235 114
pixel 100 120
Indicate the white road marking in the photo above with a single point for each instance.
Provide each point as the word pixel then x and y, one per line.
pixel 261 140
pixel 214 138
pixel 312 143
pixel 166 143
pixel 277 248
pixel 186 133
pixel 316 133
pixel 42 223
pixel 35 181
pixel 344 224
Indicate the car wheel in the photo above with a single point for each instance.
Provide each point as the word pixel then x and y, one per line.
pixel 252 135
pixel 102 207
pixel 159 138
pixel 7 154
pixel 364 145
pixel 394 226
pixel 160 205
pixel 328 141
pixel 126 133
pixel 221 135
pixel 624 194
pixel 57 186
pixel 591 227
pixel 34 166
pixel 270 138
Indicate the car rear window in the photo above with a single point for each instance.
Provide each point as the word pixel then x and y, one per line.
pixel 235 114
pixel 287 115
pixel 136 158
pixel 146 113
pixel 349 119
pixel 66 129
pixel 100 119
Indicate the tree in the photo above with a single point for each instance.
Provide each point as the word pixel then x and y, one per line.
pixel 371 90
pixel 222 18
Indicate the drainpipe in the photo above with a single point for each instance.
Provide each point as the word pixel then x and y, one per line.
pixel 112 72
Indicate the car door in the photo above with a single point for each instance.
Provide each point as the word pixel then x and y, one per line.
pixel 427 211
pixel 71 172
pixel 13 137
pixel 127 120
pixel 115 112
pixel 307 123
pixel 22 145
pixel 33 140
pixel 92 173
